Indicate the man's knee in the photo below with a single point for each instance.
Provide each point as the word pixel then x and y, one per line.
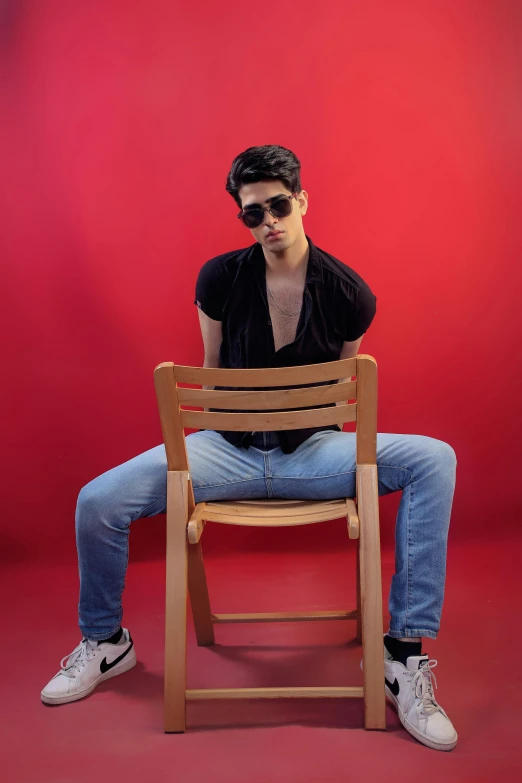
pixel 92 505
pixel 440 455
pixel 444 453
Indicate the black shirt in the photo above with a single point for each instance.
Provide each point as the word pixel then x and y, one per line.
pixel 338 307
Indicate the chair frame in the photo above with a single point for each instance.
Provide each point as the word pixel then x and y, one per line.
pixel 185 573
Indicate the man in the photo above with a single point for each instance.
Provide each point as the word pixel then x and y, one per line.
pixel 280 302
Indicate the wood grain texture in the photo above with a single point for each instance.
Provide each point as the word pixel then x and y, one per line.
pixel 268 400
pixel 264 422
pixel 273 693
pixel 268 509
pixel 298 519
pixel 353 519
pixel 186 521
pixel 366 427
pixel 271 513
pixel 176 601
pixel 282 617
pixel 171 427
pixel 199 598
pixel 358 591
pixel 261 378
pixel 371 597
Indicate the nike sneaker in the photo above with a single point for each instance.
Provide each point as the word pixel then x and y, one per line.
pixel 410 689
pixel 89 664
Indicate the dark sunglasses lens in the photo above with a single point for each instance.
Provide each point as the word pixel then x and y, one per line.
pixel 281 208
pixel 253 218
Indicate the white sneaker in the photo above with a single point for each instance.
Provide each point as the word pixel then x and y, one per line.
pixel 410 688
pixel 89 664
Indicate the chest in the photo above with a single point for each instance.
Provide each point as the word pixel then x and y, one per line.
pixel 285 301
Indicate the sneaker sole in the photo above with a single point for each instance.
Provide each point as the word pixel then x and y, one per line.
pixel 121 668
pixel 444 746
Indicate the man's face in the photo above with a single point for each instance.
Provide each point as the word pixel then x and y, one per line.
pixel 275 234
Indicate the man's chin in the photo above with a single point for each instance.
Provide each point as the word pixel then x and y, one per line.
pixel 277 245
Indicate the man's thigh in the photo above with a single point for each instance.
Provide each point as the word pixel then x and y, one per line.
pixel 324 466
pixel 220 471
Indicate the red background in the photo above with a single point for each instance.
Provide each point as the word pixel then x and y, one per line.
pixel 119 123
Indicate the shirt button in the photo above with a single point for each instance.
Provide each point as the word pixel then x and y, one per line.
pixel 270 323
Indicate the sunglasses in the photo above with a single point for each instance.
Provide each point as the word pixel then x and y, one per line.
pixel 253 217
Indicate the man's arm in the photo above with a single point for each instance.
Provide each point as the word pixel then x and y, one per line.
pixel 212 334
pixel 349 350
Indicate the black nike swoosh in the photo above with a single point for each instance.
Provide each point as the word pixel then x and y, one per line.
pixel 394 688
pixel 105 667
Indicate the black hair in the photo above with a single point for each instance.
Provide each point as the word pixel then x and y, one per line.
pixel 268 162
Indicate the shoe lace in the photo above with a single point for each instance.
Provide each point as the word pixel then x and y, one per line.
pixel 423 683
pixel 78 659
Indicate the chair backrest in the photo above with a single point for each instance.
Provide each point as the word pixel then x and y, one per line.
pixel 275 409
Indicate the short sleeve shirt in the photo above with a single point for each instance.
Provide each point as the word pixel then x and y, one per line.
pixel 338 307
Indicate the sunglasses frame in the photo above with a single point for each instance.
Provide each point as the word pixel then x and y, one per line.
pixel 267 209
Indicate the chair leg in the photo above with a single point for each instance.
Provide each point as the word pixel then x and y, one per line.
pixel 371 597
pixel 176 601
pixel 358 578
pixel 199 600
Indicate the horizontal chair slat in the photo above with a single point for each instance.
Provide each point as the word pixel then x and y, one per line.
pixel 282 521
pixel 262 422
pixel 277 376
pixel 283 617
pixel 272 693
pixel 268 400
pixel 273 503
pixel 272 508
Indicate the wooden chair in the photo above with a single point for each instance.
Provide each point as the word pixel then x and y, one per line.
pixel 186 520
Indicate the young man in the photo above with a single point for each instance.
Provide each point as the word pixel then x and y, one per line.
pixel 279 302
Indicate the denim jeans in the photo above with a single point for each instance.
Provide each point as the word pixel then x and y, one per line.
pixel 323 467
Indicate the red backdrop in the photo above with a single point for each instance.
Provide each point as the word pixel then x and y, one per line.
pixel 118 124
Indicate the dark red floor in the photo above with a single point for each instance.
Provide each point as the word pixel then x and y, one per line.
pixel 117 732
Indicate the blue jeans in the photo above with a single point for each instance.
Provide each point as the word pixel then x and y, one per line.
pixel 322 467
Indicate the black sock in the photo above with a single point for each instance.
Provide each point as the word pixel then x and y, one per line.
pixel 114 639
pixel 401 651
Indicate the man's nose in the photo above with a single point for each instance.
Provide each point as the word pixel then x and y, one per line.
pixel 269 220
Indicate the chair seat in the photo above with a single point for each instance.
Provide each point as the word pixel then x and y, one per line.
pixel 272 513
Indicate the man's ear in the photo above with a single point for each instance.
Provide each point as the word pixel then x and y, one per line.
pixel 302 199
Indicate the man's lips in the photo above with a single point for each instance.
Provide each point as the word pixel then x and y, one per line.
pixel 274 234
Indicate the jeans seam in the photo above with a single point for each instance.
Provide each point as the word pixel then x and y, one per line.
pixel 343 473
pixel 396 467
pixel 227 483
pixel 408 632
pixel 309 478
pixel 120 601
pixel 408 555
pixel 268 475
pixel 297 478
pixel 163 498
